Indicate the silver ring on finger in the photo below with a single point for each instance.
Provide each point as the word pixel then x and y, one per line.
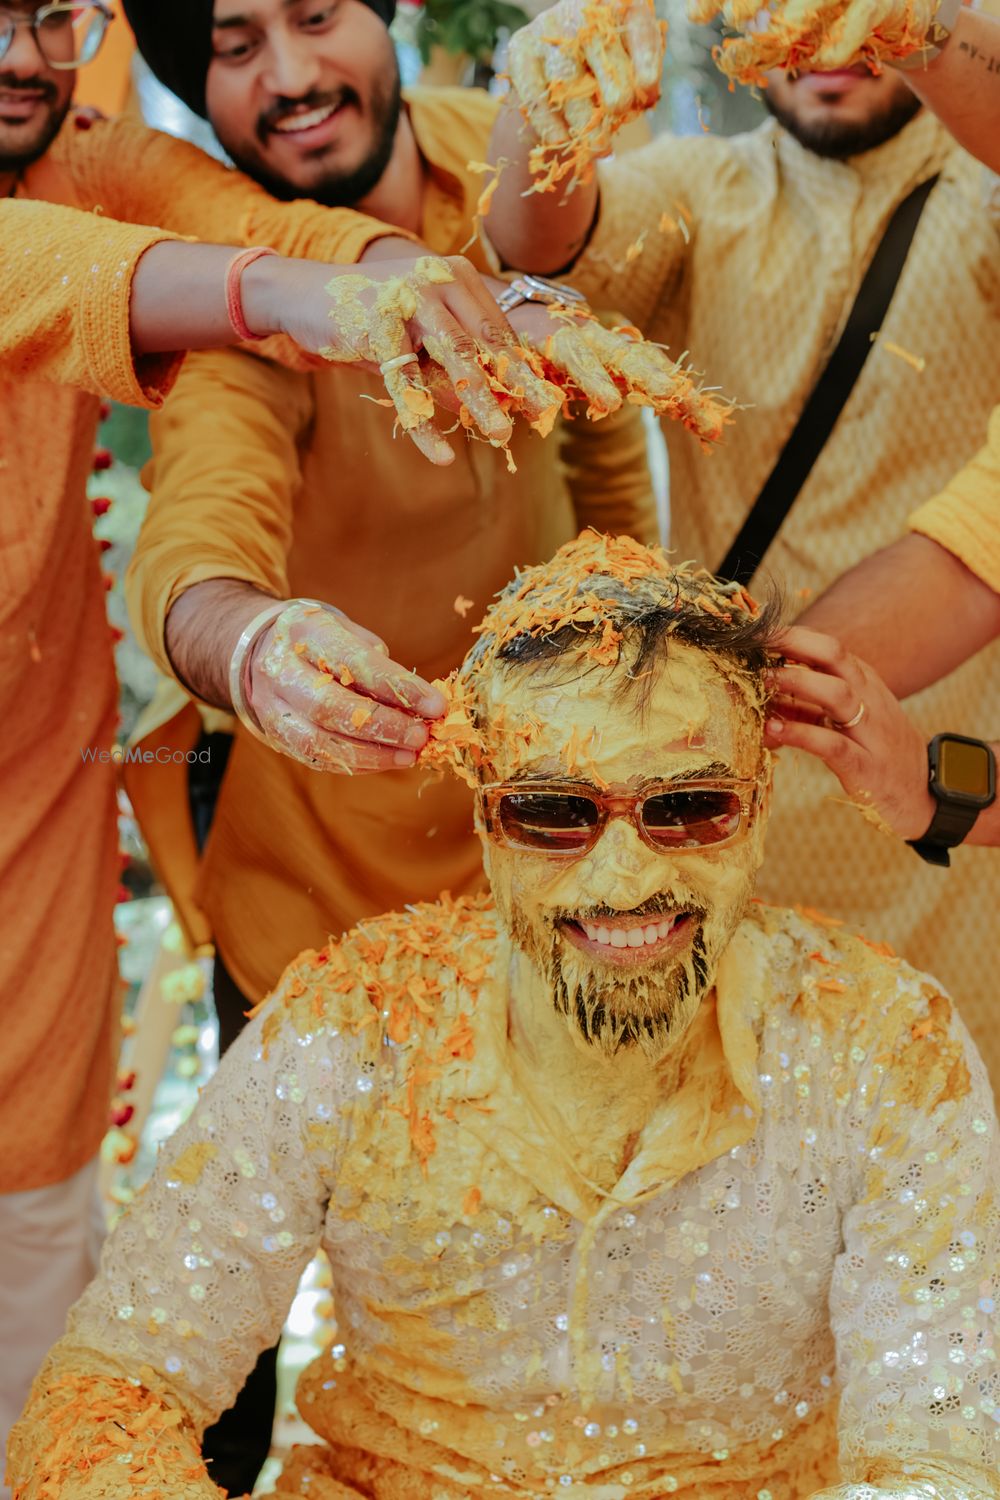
pixel 853 722
pixel 400 360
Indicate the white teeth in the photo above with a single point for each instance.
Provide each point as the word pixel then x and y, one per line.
pixel 630 937
pixel 306 122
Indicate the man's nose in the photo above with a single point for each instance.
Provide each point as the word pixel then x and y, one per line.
pixel 624 871
pixel 292 68
pixel 23 57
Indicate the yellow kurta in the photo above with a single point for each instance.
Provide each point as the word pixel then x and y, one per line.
pixel 965 516
pixel 293 482
pixel 779 241
pixel 801 1249
pixel 69 244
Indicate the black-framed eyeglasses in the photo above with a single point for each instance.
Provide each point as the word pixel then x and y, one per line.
pixel 568 818
pixel 66 35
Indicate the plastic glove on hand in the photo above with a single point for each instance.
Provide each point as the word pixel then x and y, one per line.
pixel 325 692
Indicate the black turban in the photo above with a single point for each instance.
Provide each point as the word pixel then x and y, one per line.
pixel 175 38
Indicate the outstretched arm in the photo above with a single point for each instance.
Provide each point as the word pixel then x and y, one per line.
pixel 914 611
pixel 962 85
pixel 579 72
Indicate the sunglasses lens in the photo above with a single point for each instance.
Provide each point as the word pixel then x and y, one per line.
pixel 552 821
pixel 690 820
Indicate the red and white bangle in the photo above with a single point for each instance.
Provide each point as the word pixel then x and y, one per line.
pixel 234 291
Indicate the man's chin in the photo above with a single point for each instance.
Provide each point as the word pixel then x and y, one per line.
pixel 22 144
pixel 835 132
pixel 627 1000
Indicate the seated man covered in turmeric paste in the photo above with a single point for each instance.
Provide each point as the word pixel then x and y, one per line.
pixel 630 1187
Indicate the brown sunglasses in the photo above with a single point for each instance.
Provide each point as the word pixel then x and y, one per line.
pixel 568 817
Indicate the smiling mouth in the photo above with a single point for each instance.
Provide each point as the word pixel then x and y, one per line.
pixel 311 120
pixel 627 939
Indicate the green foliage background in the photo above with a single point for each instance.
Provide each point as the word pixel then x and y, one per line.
pixel 469 26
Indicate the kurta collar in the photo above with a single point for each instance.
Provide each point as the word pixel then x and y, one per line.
pixel 714 1108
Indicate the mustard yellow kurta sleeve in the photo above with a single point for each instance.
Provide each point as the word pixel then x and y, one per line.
pixel 66 271
pixel 965 516
pixel 231 414
pixel 65 283
pixel 607 472
pixel 130 172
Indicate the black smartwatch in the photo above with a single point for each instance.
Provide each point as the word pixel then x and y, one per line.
pixel 962 781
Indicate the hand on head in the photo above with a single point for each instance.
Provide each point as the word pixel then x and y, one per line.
pixel 325 692
pixel 837 708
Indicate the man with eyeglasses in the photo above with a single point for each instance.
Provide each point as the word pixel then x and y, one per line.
pixel 629 1186
pixel 97 292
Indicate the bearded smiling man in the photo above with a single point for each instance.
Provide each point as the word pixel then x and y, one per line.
pixel 782 225
pixel 331 144
pixel 629 1187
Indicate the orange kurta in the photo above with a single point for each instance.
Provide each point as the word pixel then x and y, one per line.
pixel 65 277
pixel 293 483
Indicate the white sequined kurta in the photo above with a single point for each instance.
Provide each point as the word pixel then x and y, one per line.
pixel 805 1241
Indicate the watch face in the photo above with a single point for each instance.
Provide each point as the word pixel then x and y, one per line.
pixel 963 768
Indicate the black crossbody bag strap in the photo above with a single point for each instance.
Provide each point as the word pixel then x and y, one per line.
pixel 829 395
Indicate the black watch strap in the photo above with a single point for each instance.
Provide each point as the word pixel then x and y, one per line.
pixel 949 826
pixel 961 790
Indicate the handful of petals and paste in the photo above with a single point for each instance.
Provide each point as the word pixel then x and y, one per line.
pixel 605 366
pixel 582 70
pixel 816 35
pixel 384 322
pixel 564 355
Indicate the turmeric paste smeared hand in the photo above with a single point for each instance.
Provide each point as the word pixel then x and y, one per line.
pixel 324 691
pixel 605 366
pixel 384 319
pixel 816 35
pixel 582 70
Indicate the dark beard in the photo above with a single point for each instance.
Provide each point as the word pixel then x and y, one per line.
pixel 337 189
pixel 638 1012
pixel 619 1012
pixel 839 139
pixel 17 161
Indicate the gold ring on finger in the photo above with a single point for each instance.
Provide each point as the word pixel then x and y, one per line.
pixel 851 723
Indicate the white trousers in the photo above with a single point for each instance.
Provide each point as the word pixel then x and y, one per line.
pixel 50 1239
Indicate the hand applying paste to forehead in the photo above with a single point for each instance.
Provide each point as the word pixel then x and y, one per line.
pixel 312 684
